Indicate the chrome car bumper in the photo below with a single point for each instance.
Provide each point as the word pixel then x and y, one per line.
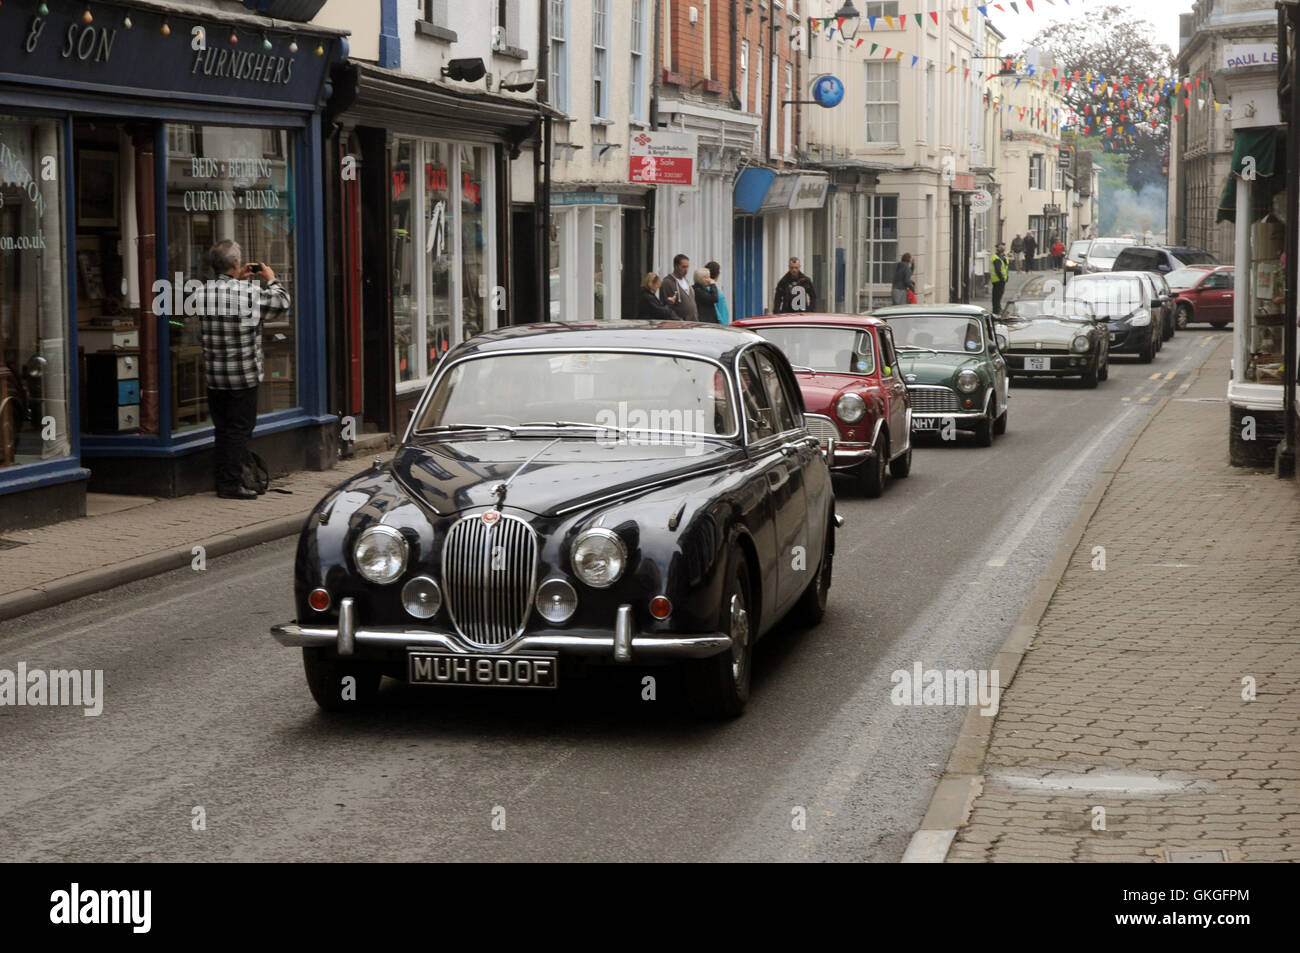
pixel 624 644
pixel 958 416
pixel 852 454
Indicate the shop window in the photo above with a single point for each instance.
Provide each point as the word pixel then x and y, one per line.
pixel 478 265
pixel 882 239
pixel 33 302
pixel 225 182
pixel 439 245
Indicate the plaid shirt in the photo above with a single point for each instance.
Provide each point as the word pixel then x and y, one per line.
pixel 231 320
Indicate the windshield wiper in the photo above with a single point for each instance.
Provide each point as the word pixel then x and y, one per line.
pixel 800 367
pixel 448 428
pixel 573 423
pixel 912 347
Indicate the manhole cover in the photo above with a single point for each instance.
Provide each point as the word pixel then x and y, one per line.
pixel 1192 855
pixel 10 543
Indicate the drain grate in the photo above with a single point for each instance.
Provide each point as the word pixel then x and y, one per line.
pixel 1193 855
pixel 10 543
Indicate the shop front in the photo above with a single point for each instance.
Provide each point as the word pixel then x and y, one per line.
pixel 420 231
pixel 597 253
pixel 1254 199
pixel 132 139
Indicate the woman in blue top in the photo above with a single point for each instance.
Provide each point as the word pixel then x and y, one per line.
pixel 720 307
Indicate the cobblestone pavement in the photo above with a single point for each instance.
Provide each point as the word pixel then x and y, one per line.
pixel 1125 731
pixel 124 528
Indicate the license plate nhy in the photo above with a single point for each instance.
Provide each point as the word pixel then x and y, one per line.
pixel 1038 363
pixel 925 423
pixel 486 671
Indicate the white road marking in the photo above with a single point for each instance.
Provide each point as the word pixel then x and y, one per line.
pixel 1036 511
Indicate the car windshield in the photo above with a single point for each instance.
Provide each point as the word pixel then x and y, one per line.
pixel 1194 257
pixel 1078 249
pixel 1183 278
pixel 939 332
pixel 1107 249
pixel 1068 308
pixel 834 350
pixel 625 390
pixel 1110 297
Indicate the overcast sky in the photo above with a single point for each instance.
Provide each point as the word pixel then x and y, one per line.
pixel 1020 29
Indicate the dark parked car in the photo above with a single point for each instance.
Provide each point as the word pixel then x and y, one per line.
pixel 852 388
pixel 1129 308
pixel 1163 298
pixel 1202 294
pixel 1161 258
pixel 1055 337
pixel 570 495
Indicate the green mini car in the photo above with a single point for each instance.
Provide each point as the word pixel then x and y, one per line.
pixel 952 362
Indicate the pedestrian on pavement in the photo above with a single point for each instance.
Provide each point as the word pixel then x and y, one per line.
pixel 649 307
pixel 676 290
pixel 999 277
pixel 706 296
pixel 903 282
pixel 794 292
pixel 1017 249
pixel 1058 252
pixel 724 315
pixel 1031 246
pixel 232 310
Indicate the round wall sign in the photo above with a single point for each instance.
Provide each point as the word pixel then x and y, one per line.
pixel 828 91
pixel 981 201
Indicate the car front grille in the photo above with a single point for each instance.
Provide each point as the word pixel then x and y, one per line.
pixel 823 428
pixel 489 572
pixel 1022 351
pixel 928 399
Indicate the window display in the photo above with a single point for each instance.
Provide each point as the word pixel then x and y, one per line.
pixel 226 182
pixel 1268 299
pixel 33 301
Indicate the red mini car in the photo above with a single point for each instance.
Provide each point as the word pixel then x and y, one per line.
pixel 1202 294
pixel 853 390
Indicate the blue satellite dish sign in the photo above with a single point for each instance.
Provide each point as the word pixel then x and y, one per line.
pixel 828 91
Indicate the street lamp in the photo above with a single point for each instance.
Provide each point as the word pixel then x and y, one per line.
pixel 850 17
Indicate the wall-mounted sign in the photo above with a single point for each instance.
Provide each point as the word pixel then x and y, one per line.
pixel 584 198
pixel 1051 210
pixel 1242 55
pixel 827 91
pixel 809 191
pixel 663 158
pixel 981 201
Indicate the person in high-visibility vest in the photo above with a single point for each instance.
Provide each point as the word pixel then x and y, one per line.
pixel 999 277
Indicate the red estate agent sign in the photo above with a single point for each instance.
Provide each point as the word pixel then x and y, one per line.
pixel 663 158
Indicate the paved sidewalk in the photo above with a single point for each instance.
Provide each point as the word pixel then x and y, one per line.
pixel 1127 710
pixel 127 538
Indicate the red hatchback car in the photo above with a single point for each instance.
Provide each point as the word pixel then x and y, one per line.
pixel 853 390
pixel 1202 295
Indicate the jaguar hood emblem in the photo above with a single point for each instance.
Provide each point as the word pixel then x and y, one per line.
pixel 910 378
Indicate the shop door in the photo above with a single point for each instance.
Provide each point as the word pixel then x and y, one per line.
pixel 635 259
pixel 955 249
pixel 525 267
pixel 748 268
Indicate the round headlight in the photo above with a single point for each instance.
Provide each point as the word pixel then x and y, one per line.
pixel 850 408
pixel 556 600
pixel 599 557
pixel 1081 344
pixel 421 597
pixel 967 381
pixel 380 554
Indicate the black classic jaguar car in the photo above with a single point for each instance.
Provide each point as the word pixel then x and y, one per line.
pixel 570 495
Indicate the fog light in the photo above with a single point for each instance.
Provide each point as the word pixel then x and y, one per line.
pixel 318 599
pixel 556 600
pixel 969 402
pixel 421 597
pixel 660 607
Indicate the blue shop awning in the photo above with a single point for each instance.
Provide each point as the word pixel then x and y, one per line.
pixel 751 189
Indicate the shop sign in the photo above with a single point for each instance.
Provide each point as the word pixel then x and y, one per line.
pixel 1242 55
pixel 52 44
pixel 809 191
pixel 584 198
pixel 981 201
pixel 663 158
pixel 1051 210
pixel 779 195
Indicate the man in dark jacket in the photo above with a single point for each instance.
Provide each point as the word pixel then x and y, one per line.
pixel 794 292
pixel 706 296
pixel 1031 246
pixel 1017 249
pixel 902 282
pixel 676 290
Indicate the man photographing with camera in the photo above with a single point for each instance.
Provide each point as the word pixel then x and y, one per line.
pixel 234 306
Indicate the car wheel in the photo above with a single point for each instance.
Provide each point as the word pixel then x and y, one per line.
pixel 984 429
pixel 901 465
pixel 718 687
pixel 874 471
pixel 1149 352
pixel 1104 373
pixel 812 604
pixel 1220 325
pixel 1000 425
pixel 1090 377
pixel 328 678
pixel 1168 328
pixel 1184 317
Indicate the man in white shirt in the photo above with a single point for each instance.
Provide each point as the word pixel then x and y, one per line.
pixel 677 293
